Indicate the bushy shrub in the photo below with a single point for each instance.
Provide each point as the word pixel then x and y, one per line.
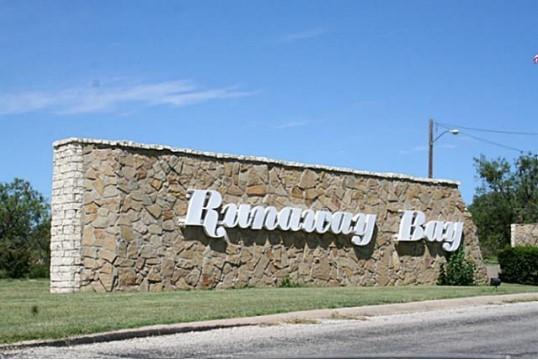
pixel 14 259
pixel 287 283
pixel 519 265
pixel 39 271
pixel 458 271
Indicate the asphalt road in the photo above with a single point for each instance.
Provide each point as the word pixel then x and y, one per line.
pixel 492 331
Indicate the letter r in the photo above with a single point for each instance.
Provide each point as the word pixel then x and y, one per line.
pixel 201 212
pixel 196 207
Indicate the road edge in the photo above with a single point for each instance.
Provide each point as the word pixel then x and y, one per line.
pixel 274 319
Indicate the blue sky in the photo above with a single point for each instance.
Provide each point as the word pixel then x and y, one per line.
pixel 342 83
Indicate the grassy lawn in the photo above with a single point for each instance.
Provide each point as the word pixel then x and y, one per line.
pixel 491 260
pixel 60 315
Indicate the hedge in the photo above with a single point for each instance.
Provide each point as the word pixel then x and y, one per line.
pixel 519 265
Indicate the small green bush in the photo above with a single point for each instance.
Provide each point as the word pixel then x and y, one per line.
pixel 458 271
pixel 15 261
pixel 519 265
pixel 287 283
pixel 39 271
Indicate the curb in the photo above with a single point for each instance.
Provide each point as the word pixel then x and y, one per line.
pixel 275 319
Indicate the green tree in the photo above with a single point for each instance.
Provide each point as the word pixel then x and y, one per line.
pixel 24 230
pixel 508 194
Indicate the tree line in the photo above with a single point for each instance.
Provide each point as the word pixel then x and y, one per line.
pixel 508 194
pixel 24 231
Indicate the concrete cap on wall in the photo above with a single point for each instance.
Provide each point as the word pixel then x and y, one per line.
pixel 252 159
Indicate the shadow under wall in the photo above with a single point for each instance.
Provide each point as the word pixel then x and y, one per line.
pixel 410 248
pixel 365 252
pixel 288 239
pixel 418 248
pixel 298 240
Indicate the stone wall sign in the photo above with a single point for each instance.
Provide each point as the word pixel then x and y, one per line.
pixel 129 216
pixel 413 227
pixel 206 210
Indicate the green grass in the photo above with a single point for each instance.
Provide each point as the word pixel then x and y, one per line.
pixel 491 260
pixel 29 311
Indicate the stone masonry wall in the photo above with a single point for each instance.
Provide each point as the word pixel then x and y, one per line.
pixel 524 234
pixel 66 227
pixel 135 197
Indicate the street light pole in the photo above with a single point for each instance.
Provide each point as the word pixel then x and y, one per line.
pixel 430 149
pixel 431 141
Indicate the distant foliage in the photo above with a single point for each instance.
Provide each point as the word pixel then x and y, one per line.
pixel 458 271
pixel 519 265
pixel 24 231
pixel 508 194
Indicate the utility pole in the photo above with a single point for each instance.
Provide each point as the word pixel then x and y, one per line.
pixel 432 141
pixel 430 149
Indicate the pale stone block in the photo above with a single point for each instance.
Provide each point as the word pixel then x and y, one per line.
pixel 66 223
pixel 60 261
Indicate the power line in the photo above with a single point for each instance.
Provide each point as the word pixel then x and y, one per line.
pixel 527 133
pixel 493 142
pixel 478 138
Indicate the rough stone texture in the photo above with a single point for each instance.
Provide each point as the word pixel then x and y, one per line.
pixel 135 197
pixel 524 234
pixel 66 229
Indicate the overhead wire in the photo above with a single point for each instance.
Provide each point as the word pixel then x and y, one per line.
pixel 478 138
pixel 509 132
pixel 492 142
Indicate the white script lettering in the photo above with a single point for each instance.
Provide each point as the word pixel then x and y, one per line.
pixel 206 210
pixel 413 227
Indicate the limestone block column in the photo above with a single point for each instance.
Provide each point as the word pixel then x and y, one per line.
pixel 66 226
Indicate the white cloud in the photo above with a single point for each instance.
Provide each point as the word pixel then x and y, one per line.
pixel 303 35
pixel 291 124
pixel 106 98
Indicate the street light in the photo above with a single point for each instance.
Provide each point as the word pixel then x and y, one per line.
pixel 431 141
